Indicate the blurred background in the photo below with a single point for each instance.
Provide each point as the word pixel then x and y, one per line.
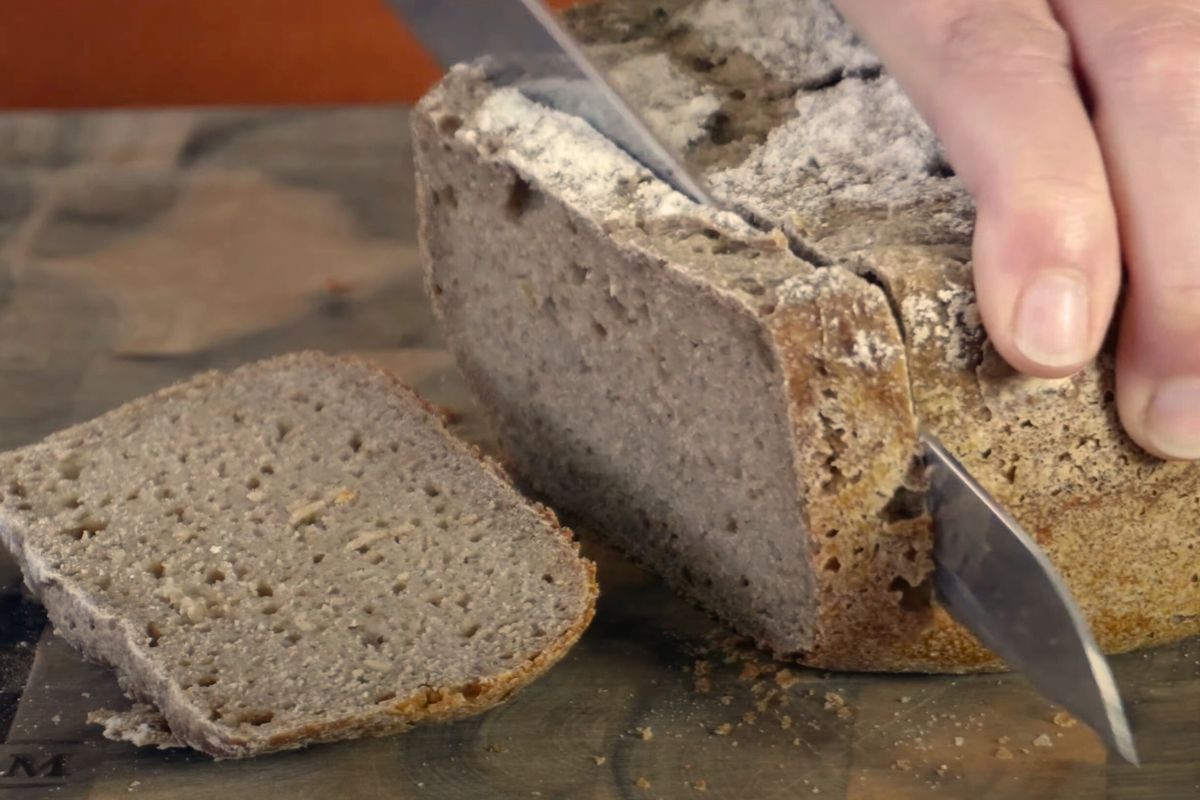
pixel 118 53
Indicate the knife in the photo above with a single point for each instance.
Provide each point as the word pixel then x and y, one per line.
pixel 990 575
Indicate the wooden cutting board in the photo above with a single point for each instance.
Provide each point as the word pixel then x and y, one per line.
pixel 138 248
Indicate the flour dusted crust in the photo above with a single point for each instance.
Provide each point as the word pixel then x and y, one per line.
pixel 858 290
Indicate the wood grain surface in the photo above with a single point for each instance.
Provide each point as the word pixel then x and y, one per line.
pixel 138 248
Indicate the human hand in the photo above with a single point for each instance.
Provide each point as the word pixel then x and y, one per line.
pixel 1060 193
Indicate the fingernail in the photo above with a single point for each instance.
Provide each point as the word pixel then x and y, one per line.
pixel 1173 418
pixel 1051 322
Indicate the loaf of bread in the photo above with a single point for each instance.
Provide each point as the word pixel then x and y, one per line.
pixel 291 553
pixel 736 406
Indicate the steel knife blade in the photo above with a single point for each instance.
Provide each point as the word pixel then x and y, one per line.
pixel 528 48
pixel 993 578
pixel 990 575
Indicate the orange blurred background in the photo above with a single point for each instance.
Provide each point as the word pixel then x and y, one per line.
pixel 106 53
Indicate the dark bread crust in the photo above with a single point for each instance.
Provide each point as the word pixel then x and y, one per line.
pixel 110 640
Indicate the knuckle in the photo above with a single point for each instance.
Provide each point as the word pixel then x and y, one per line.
pixel 1064 210
pixel 1175 303
pixel 994 38
pixel 1155 55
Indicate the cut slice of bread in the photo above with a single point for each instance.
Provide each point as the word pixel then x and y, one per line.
pixel 293 552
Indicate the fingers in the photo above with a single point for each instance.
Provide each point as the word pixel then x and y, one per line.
pixel 1142 62
pixel 995 80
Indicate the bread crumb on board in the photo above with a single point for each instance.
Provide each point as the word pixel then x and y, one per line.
pixel 1043 740
pixel 724 729
pixel 646 733
pixel 599 760
pixel 1064 720
pixel 1003 753
pixel 700 785
pixel 642 783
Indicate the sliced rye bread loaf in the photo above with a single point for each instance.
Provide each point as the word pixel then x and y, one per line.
pixel 738 409
pixel 293 552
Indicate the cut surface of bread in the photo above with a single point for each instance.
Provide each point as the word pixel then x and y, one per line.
pixel 737 405
pixel 293 552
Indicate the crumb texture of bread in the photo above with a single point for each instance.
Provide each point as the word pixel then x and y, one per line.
pixel 292 552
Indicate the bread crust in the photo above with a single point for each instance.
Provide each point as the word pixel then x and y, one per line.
pixel 108 639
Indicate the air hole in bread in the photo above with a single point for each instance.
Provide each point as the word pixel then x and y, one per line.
pixel 469 631
pixel 905 504
pixel 376 558
pixel 72 503
pixel 84 529
pixel 154 632
pixel 267 469
pixel 207 680
pixel 448 124
pixel 599 329
pixel 832 564
pixel 318 558
pixel 270 608
pixel 520 196
pixel 399 587
pixel 912 598
pixel 548 578
pixel 372 638
pixel 433 491
pixel 69 469
pixel 256 717
pixel 214 576
pixel 720 128
pixel 282 429
pixel 163 493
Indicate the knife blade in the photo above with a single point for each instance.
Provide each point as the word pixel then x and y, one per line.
pixel 528 48
pixel 990 575
pixel 992 578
